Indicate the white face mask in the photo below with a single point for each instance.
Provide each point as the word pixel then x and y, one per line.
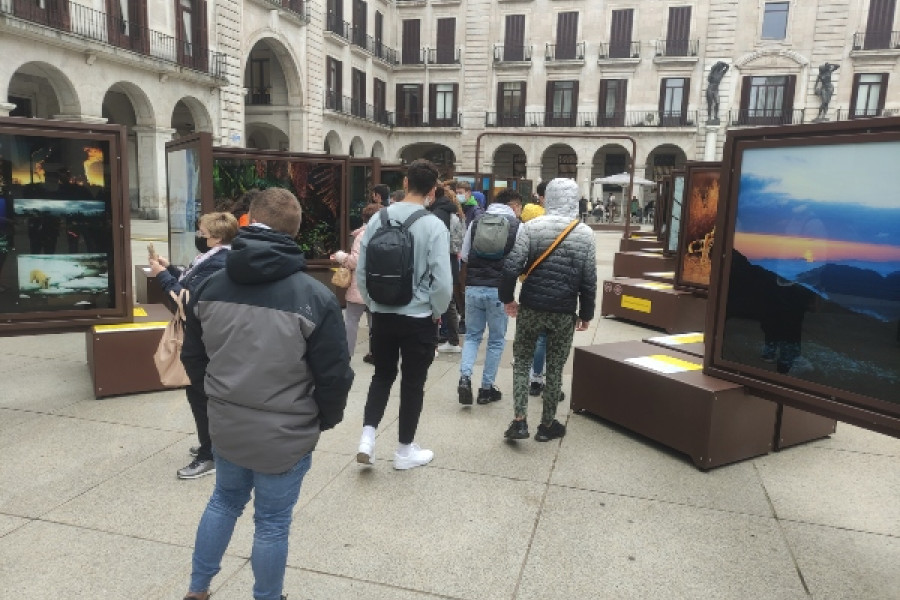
pixel 461 197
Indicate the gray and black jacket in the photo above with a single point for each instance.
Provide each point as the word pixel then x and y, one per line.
pixel 566 281
pixel 267 342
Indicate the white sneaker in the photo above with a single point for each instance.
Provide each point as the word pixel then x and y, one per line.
pixel 366 453
pixel 448 347
pixel 417 457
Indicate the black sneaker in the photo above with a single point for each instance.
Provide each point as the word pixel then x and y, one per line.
pixel 554 430
pixel 465 390
pixel 488 395
pixel 517 430
pixel 536 388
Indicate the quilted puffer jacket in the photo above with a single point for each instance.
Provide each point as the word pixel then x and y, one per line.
pixel 565 281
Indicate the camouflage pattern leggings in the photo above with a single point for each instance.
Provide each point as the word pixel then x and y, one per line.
pixel 560 327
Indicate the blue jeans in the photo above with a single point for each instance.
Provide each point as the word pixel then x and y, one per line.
pixel 540 355
pixel 273 505
pixel 483 309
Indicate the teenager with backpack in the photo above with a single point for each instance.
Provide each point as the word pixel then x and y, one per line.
pixel 403 274
pixel 488 240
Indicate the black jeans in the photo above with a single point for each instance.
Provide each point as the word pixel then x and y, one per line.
pixel 197 399
pixel 412 341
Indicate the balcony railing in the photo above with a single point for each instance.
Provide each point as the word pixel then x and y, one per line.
pixel 876 40
pixel 438 56
pixel 620 50
pixel 555 52
pixel 632 118
pixel 356 107
pixel 414 58
pixel 765 116
pixel 503 53
pixel 337 26
pixel 847 114
pixel 258 97
pixel 109 29
pixel 677 47
pixel 426 120
pixel 295 6
pixel 373 46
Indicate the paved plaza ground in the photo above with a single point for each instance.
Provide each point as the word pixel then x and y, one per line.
pixel 90 506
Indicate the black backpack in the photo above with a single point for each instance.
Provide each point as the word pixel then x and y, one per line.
pixel 389 260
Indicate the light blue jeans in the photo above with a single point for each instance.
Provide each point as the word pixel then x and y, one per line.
pixel 273 504
pixel 483 309
pixel 540 355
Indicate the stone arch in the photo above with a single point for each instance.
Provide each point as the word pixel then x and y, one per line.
pixel 124 96
pixel 509 161
pixel 48 91
pixel 189 115
pixel 357 148
pixel 772 53
pixel 559 160
pixel 264 136
pixel 442 156
pixel 608 159
pixel 377 150
pixel 661 160
pixel 276 45
pixel 333 144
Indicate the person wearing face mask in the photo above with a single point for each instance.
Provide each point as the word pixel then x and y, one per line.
pixel 214 234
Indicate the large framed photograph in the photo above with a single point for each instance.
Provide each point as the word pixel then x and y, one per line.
pixel 673 218
pixel 188 169
pixel 697 227
pixel 64 248
pixel 806 290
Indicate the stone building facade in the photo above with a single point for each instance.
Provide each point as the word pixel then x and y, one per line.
pixel 526 88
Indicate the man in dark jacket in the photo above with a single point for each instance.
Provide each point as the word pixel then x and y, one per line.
pixel 267 342
pixel 444 209
pixel 557 299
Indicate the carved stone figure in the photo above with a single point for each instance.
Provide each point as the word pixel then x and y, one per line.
pixel 716 73
pixel 824 89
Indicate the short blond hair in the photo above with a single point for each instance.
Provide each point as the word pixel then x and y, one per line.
pixel 220 225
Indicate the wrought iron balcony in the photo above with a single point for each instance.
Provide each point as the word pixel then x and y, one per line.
pixel 356 107
pixel 677 47
pixel 765 116
pixel 630 119
pixel 620 50
pixel 337 26
pixel 876 39
pixel 297 7
pixel 373 46
pixel 846 114
pixel 442 56
pixel 109 29
pixel 259 96
pixel 426 120
pixel 558 52
pixel 503 53
pixel 414 58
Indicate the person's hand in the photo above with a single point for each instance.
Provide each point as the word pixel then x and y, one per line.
pixel 339 256
pixel 162 260
pixel 156 268
pixel 581 325
pixel 512 309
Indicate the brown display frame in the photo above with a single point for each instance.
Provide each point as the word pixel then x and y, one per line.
pixel 663 201
pixel 66 320
pixel 200 141
pixel 666 238
pixel 694 171
pixel 849 406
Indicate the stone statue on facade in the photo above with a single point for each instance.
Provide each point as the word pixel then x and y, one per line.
pixel 716 73
pixel 824 89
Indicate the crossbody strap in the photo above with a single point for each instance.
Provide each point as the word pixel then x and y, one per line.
pixel 180 299
pixel 552 247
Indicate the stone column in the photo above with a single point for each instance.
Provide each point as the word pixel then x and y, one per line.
pixel 6 108
pixel 709 150
pixel 533 172
pixel 297 128
pixel 583 177
pixel 147 191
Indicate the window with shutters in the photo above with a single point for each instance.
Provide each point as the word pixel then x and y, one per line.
pixel 443 104
pixel 612 102
pixel 620 45
pixel 673 101
pixel 510 103
pixel 379 100
pixel 333 99
pixel 334 20
pixel 867 98
pixel 357 93
pixel 412 49
pixel 514 38
pixel 566 36
pixel 775 19
pixel 879 26
pixel 191 32
pixel 679 31
pixel 446 41
pixel 126 24
pixel 360 23
pixel 409 104
pixel 767 100
pixel 258 82
pixel 562 103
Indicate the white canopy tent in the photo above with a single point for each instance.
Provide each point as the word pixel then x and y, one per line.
pixel 621 179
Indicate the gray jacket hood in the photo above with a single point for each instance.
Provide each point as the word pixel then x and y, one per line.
pixel 561 198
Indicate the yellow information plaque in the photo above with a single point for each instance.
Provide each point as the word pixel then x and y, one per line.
pixel 635 303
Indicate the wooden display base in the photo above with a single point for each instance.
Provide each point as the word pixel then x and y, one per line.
pixel 713 421
pixel 120 356
pixel 635 264
pixel 794 426
pixel 636 243
pixel 653 303
pixel 664 276
pixel 146 288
